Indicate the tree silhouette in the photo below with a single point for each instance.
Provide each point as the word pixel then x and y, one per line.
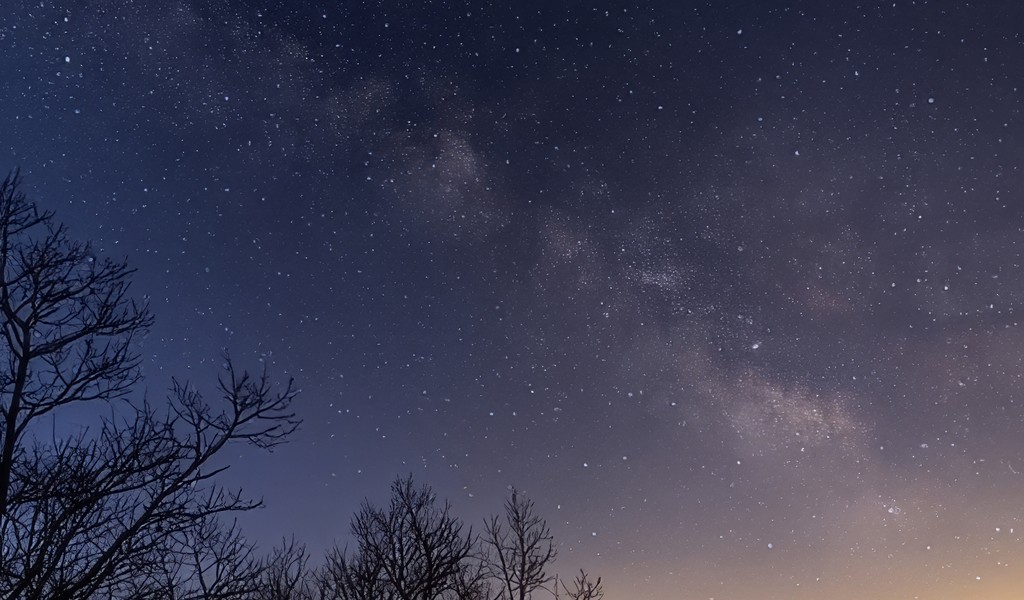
pixel 357 577
pixel 215 561
pixel 286 574
pixel 413 549
pixel 583 588
pixel 521 547
pixel 125 508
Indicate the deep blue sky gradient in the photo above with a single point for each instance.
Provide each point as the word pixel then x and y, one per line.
pixel 731 291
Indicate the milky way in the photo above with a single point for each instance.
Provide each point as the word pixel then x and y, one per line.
pixel 730 291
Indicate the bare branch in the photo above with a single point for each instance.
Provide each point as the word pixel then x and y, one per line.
pixel 583 588
pixel 412 550
pixel 521 547
pixel 128 508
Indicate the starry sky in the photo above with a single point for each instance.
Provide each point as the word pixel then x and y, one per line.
pixel 732 290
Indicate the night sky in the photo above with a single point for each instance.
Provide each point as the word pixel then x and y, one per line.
pixel 732 290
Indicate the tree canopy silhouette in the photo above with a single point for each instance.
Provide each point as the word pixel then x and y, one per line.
pixel 127 507
pixel 413 549
pixel 521 548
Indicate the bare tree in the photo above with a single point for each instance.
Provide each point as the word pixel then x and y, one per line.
pixel 68 325
pixel 286 574
pixel 352 577
pixel 522 548
pixel 211 561
pixel 101 512
pixel 474 580
pixel 583 588
pixel 414 549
